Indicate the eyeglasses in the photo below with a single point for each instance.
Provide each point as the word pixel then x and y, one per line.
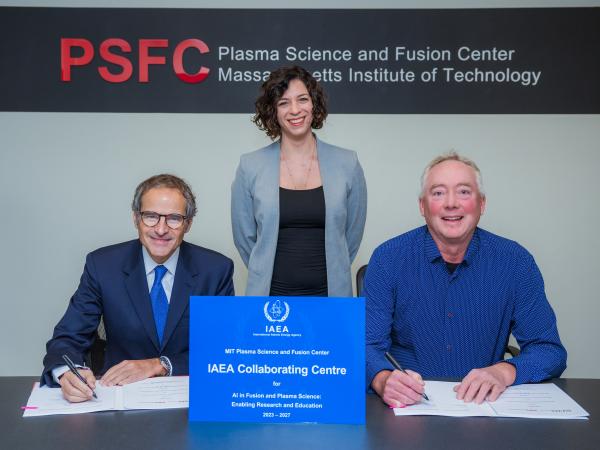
pixel 151 219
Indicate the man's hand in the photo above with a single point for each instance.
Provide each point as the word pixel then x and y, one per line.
pixel 486 383
pixel 73 389
pixel 130 371
pixel 397 388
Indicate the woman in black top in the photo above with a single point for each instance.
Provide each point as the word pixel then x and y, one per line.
pixel 298 205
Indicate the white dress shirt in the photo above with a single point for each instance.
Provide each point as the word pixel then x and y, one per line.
pixel 168 278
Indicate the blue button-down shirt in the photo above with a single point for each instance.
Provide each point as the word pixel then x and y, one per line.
pixel 443 324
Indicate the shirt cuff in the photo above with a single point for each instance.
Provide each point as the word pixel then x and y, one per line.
pixel 59 371
pixel 523 370
pixel 374 367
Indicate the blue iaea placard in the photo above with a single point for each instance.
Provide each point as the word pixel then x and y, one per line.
pixel 277 359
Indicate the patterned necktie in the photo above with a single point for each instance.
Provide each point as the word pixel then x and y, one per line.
pixel 160 304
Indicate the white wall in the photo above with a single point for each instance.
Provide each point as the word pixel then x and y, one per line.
pixel 66 182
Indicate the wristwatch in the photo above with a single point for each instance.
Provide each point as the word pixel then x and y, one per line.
pixel 164 361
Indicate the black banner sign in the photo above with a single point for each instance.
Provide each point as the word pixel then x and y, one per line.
pixel 370 61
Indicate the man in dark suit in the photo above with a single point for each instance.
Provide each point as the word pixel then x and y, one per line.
pixel 141 289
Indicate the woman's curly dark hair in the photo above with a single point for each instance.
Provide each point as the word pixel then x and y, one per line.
pixel 273 89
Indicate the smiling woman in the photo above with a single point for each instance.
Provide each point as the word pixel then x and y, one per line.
pixel 298 206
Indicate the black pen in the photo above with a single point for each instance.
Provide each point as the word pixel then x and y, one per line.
pixel 73 369
pixel 397 366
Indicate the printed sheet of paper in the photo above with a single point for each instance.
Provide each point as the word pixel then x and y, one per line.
pixel 157 393
pixel 46 401
pixel 152 393
pixel 443 402
pixel 540 401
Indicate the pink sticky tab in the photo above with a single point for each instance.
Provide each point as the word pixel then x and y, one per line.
pixel 28 407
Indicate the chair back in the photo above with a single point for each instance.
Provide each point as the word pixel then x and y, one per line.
pixel 360 276
pixel 95 357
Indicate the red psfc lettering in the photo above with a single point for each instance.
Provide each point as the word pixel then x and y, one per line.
pixel 79 52
pixel 67 60
pixel 178 61
pixel 108 56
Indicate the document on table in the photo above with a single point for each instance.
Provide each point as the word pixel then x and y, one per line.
pixel 152 393
pixel 540 401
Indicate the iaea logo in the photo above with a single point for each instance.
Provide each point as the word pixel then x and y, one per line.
pixel 276 312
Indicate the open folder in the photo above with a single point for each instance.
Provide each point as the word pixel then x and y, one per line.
pixel 540 401
pixel 152 393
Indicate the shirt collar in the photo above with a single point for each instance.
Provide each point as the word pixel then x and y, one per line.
pixel 432 252
pixel 473 248
pixel 150 264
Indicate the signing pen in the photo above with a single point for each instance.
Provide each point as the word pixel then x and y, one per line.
pixel 397 366
pixel 73 369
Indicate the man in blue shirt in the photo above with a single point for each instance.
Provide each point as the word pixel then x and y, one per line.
pixel 443 299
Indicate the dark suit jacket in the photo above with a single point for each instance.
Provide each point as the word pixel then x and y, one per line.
pixel 114 286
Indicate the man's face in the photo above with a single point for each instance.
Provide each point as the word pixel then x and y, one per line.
pixel 160 240
pixel 451 203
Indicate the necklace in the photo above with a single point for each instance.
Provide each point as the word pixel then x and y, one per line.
pixel 311 159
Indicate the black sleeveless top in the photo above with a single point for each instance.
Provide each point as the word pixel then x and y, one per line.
pixel 300 267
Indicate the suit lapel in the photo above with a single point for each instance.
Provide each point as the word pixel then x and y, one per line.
pixel 182 288
pixel 270 211
pixel 270 186
pixel 137 288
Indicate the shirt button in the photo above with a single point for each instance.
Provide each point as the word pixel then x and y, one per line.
pixel 449 347
pixel 451 315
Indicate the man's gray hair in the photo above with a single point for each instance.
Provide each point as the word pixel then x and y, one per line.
pixel 165 181
pixel 452 156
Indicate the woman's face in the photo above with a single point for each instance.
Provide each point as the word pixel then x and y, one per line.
pixel 295 111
